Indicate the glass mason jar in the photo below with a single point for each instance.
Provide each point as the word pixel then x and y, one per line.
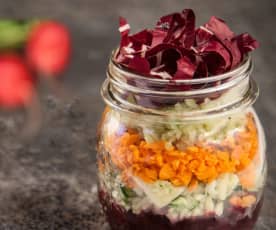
pixel 181 154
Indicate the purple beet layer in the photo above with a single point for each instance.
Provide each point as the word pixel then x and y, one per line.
pixel 119 219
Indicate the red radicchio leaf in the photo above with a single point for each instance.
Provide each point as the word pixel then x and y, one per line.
pixel 216 56
pixel 235 52
pixel 139 65
pixel 219 28
pixel 226 37
pixel 159 72
pixel 165 22
pixel 169 59
pixel 246 43
pixel 140 41
pixel 187 36
pixel 215 63
pixel 156 50
pixel 189 53
pixel 173 24
pixel 185 69
pixel 201 70
pixel 124 26
pixel 124 30
pixel 166 54
pixel 124 55
pixel 122 59
pixel 180 28
pixel 203 35
pixel 142 37
pixel 175 50
pixel 158 37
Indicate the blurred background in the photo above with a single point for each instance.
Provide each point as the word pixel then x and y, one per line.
pixel 49 182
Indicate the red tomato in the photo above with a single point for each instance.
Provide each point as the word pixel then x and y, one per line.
pixel 48 48
pixel 16 81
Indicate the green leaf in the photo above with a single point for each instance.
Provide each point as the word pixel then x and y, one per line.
pixel 14 33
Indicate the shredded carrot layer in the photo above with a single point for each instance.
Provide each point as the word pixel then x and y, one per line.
pixel 198 163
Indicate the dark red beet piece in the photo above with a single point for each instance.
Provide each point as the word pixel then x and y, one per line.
pixel 119 219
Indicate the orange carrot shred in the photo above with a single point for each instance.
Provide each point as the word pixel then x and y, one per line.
pixel 198 163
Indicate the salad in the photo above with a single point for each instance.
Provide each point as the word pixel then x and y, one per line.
pixel 166 174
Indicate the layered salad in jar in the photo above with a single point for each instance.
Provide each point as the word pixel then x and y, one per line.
pixel 205 173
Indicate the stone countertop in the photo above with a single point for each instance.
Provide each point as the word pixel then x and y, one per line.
pixel 50 181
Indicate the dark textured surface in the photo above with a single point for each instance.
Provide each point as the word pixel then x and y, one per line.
pixel 49 182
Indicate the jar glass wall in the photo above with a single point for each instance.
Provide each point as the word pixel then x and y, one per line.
pixel 174 159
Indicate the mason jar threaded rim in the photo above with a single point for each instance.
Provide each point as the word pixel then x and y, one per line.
pixel 117 83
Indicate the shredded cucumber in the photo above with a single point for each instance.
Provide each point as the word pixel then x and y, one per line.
pixel 181 202
pixel 127 192
pixel 160 193
pixel 181 135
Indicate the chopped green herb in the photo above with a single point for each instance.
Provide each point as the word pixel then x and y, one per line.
pixel 127 192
